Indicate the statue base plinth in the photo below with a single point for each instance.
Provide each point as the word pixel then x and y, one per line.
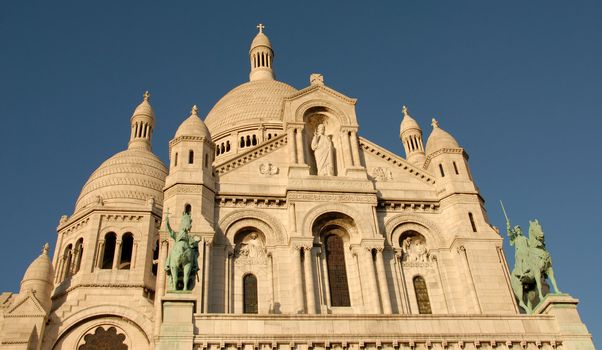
pixel 356 172
pixel 177 323
pixel 298 170
pixel 564 308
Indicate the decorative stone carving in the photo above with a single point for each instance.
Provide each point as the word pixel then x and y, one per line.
pixel 322 147
pixel 104 339
pixel 382 174
pixel 268 169
pixel 250 250
pixel 414 249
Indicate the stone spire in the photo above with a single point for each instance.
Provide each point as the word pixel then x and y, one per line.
pixel 261 56
pixel 410 135
pixel 142 125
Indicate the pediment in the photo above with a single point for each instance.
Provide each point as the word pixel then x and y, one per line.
pixel 321 90
pixel 26 305
pixel 384 165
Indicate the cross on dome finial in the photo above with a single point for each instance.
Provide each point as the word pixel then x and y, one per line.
pixel 260 26
pixel 45 249
pixel 404 110
pixel 195 110
pixel 146 95
pixel 435 123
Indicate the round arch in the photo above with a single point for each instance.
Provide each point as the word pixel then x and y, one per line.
pixel 272 229
pixel 301 111
pixel 399 224
pixel 363 226
pixel 96 314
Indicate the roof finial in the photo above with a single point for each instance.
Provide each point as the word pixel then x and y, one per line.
pixel 146 95
pixel 260 26
pixel 435 123
pixel 404 110
pixel 195 110
pixel 46 249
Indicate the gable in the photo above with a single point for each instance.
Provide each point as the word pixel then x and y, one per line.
pixel 26 305
pixel 383 166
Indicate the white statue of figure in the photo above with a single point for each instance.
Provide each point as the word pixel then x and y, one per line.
pixel 251 247
pixel 414 250
pixel 322 147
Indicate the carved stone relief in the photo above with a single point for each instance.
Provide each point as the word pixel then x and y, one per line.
pixel 414 249
pixel 268 169
pixel 250 250
pixel 382 174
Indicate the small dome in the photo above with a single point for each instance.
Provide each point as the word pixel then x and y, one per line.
pixel 261 40
pixel 144 108
pixel 130 177
pixel 408 122
pixel 39 273
pixel 439 139
pixel 193 126
pixel 251 103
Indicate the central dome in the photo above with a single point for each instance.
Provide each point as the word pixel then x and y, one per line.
pixel 251 103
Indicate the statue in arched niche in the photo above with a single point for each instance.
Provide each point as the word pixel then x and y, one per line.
pixel 322 147
pixel 414 249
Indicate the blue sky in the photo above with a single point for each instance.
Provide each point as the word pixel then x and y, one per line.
pixel 519 84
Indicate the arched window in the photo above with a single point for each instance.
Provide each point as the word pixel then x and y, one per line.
pixel 188 209
pixel 190 157
pixel 155 258
pixel 422 295
pixel 254 140
pixel 67 258
pixel 441 170
pixel 79 251
pixel 337 273
pixel 456 169
pixel 227 146
pixel 248 143
pixel 175 159
pixel 242 142
pixel 109 251
pixel 205 160
pixel 249 294
pixel 127 245
pixel 472 223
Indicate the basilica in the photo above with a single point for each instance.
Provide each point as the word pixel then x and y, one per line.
pixel 276 226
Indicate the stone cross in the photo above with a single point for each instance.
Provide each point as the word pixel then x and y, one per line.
pixel 260 27
pixel 146 95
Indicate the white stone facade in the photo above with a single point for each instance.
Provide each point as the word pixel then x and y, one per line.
pixel 343 260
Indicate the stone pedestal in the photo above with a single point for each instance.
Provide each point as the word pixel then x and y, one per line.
pixel 177 324
pixel 572 330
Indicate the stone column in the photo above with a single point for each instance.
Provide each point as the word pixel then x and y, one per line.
pixel 405 302
pixel 468 272
pixel 270 281
pixel 227 280
pixel 300 146
pixel 309 277
pixel 116 254
pixel 200 264
pixel 382 282
pixel 346 148
pixel 101 253
pixel 372 287
pixel 207 272
pixel 292 145
pixel 324 264
pixel 134 253
pixel 160 285
pixel 354 149
pixel 299 277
